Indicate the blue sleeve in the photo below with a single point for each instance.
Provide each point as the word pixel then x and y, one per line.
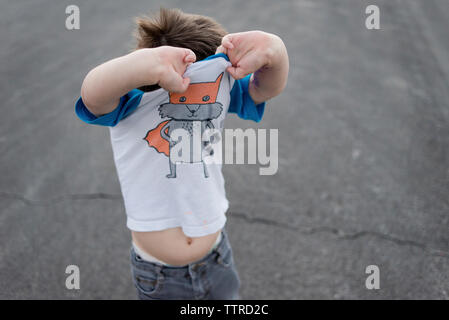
pixel 242 103
pixel 128 103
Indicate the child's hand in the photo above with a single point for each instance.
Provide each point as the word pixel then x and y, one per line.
pixel 107 83
pixel 249 51
pixel 172 63
pixel 262 54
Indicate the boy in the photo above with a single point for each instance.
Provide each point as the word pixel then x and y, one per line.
pixel 189 73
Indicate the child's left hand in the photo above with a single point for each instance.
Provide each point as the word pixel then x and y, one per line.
pixel 262 54
pixel 250 51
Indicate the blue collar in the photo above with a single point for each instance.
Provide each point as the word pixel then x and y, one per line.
pixel 218 55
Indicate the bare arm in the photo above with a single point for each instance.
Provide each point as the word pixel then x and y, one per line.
pixel 105 84
pixel 262 54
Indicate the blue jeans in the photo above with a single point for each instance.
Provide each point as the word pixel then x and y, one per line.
pixel 212 277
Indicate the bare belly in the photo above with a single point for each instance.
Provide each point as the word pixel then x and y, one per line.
pixel 172 246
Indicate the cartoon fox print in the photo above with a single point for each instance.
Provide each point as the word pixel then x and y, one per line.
pixel 197 103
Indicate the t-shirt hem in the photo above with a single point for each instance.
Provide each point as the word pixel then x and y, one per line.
pixel 190 231
pixel 144 226
pixel 199 231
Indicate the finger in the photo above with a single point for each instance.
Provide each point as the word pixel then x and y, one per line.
pixel 186 60
pixel 190 56
pixel 174 82
pixel 221 49
pixel 185 84
pixel 236 72
pixel 180 85
pixel 226 42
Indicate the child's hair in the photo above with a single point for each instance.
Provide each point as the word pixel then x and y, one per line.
pixel 172 27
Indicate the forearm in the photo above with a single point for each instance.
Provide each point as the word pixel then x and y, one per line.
pixel 105 84
pixel 271 79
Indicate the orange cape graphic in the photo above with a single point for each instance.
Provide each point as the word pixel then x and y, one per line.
pixel 156 141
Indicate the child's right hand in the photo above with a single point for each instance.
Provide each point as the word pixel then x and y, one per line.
pixel 171 63
pixel 105 84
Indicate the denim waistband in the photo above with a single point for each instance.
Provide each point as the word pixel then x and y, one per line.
pixel 220 251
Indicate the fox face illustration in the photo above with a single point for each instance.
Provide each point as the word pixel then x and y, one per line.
pixel 197 104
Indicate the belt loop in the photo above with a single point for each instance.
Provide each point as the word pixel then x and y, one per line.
pixel 222 245
pixel 160 274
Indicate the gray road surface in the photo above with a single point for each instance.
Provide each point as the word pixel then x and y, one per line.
pixel 364 153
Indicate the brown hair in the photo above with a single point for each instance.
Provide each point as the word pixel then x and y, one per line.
pixel 172 27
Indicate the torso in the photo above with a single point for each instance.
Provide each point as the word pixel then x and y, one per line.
pixel 172 246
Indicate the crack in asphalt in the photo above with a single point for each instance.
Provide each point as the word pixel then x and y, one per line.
pixel 339 233
pixel 49 202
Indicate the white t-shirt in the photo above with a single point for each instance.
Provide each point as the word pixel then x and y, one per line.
pixel 159 193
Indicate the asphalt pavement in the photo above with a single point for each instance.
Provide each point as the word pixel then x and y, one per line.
pixel 363 173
